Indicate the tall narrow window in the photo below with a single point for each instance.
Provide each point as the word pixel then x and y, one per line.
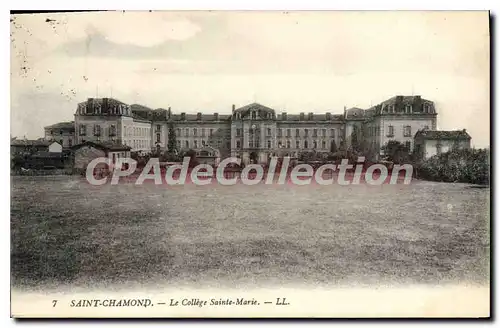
pixel 390 131
pixel 269 144
pixel 306 144
pixel 407 130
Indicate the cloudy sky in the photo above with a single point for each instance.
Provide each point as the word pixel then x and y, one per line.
pixel 207 61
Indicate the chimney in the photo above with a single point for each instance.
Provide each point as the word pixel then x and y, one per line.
pixel 283 116
pixel 310 116
pixel 169 113
pixel 234 107
pixel 417 104
pixel 183 116
pixel 301 116
pixel 198 116
pixel 328 116
pixel 216 115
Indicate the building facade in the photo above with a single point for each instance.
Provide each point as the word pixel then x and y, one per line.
pixel 253 132
pixel 429 143
pixel 63 133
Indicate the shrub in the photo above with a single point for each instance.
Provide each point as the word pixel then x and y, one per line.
pixel 464 165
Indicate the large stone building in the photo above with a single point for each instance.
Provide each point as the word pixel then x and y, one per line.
pixel 253 132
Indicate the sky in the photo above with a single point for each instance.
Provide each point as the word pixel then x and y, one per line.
pixel 200 61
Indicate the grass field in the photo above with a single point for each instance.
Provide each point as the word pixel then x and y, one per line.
pixel 66 231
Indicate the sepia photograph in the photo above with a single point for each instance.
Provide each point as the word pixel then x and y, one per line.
pixel 250 164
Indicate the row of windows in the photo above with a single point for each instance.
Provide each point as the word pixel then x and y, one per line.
pixel 201 143
pixel 288 132
pixel 137 144
pixel 288 144
pixel 407 109
pixel 130 131
pixel 406 130
pixel 195 132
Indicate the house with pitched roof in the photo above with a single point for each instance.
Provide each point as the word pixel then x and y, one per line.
pixel 429 143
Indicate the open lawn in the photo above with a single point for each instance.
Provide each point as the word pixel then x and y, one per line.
pixel 66 231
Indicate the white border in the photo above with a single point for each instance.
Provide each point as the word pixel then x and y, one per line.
pixel 185 5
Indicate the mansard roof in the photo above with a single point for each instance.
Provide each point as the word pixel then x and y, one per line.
pixel 419 105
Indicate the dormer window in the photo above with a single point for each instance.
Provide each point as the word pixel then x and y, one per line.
pixel 408 109
pixel 427 108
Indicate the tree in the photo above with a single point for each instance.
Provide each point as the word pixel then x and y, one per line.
pixel 333 147
pixel 193 161
pixel 396 152
pixel 355 140
pixel 172 140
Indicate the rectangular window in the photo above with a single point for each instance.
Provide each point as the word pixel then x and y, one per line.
pixel 158 137
pixel 315 132
pixel 97 130
pixel 238 132
pixel 297 144
pixel 297 133
pixel 158 128
pixel 186 132
pixel 196 144
pixel 279 133
pixel 390 131
pixel 112 130
pixel 407 131
pixel 288 133
pixel 83 130
pixel 306 132
pixel 323 132
pixel 268 132
pixel 195 132
pixel 211 132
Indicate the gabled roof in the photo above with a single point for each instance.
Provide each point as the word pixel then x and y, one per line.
pixel 29 143
pixel 430 134
pixel 105 145
pixel 46 154
pixel 255 106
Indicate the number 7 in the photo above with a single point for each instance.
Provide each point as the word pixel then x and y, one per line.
pixel 54 303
